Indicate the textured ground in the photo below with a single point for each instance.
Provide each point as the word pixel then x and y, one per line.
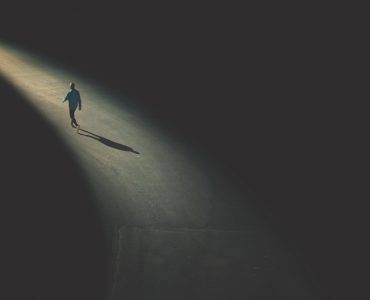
pixel 179 229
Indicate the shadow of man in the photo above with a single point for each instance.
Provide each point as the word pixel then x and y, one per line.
pixel 107 142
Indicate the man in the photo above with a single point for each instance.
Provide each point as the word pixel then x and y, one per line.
pixel 74 101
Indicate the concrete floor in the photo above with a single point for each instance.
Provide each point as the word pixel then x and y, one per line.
pixel 179 229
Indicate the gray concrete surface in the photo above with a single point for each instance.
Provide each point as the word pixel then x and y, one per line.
pixel 179 229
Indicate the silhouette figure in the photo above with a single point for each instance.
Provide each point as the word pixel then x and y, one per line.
pixel 74 101
pixel 107 142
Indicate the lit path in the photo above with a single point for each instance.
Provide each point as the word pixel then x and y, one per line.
pixel 179 229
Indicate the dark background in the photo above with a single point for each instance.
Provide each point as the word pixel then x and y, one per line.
pixel 254 87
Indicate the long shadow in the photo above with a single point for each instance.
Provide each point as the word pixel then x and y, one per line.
pixel 107 142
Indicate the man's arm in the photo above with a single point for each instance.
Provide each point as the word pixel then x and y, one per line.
pixel 66 98
pixel 79 101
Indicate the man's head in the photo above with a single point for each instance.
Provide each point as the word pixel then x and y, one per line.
pixel 72 86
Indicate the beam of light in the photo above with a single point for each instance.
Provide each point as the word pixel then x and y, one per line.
pixel 164 178
pixel 164 202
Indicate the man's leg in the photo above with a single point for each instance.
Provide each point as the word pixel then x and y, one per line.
pixel 73 120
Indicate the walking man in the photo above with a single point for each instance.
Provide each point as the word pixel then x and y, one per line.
pixel 74 101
